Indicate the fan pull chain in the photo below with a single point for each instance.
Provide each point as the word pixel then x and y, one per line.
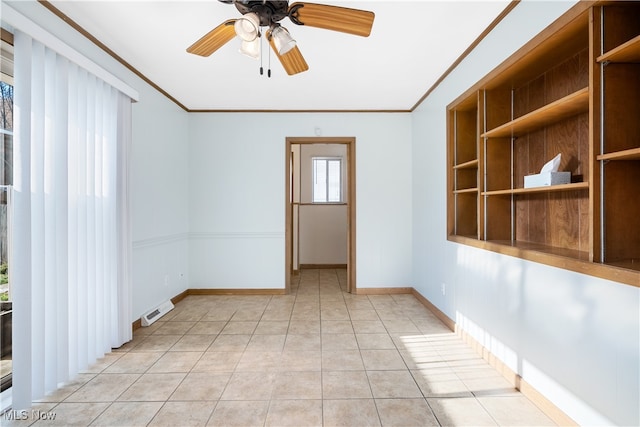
pixel 261 50
pixel 269 70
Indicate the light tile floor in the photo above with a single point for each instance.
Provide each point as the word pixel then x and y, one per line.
pixel 318 356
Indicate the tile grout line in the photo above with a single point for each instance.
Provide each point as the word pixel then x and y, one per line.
pixel 323 291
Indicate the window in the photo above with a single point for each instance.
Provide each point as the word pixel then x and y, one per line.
pixel 6 156
pixel 6 179
pixel 327 179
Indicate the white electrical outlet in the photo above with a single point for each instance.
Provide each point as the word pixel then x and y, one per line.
pixel 443 287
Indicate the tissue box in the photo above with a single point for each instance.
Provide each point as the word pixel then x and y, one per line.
pixel 547 178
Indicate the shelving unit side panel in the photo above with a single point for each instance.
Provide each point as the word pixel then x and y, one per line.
pixel 530 154
pixel 585 225
pixel 522 164
pixel 621 107
pixel 622 210
pixel 529 97
pixel 571 139
pixel 532 217
pixel 563 79
pixel 466 136
pixel 621 24
pixel 566 213
pixel 498 217
pixel 466 178
pixel 568 77
pixel 553 219
pixel 466 214
pixel 525 217
pixel 497 107
pixel 497 163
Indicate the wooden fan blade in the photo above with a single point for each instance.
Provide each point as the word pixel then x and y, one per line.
pixel 214 39
pixel 292 61
pixel 336 18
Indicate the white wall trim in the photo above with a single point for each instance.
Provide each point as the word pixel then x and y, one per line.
pixel 20 22
pixel 160 240
pixel 203 235
pixel 171 238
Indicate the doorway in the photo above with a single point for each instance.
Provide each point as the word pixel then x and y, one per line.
pixel 291 206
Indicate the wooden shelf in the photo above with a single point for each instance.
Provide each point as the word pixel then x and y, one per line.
pixel 627 52
pixel 471 164
pixel 631 154
pixel 544 249
pixel 464 237
pixel 466 190
pixel 577 102
pixel 545 189
pixel 629 264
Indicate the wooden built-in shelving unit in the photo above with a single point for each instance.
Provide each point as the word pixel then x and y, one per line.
pixel 574 89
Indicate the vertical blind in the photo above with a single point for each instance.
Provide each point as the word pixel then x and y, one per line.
pixel 70 268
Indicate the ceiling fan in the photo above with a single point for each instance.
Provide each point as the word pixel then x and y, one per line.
pixel 264 13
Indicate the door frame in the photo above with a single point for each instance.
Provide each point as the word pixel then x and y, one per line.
pixel 351 205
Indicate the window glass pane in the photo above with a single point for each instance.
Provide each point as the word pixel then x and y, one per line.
pixel 6 111
pixel 334 178
pixel 6 108
pixel 327 180
pixel 6 173
pixel 319 181
pixel 6 134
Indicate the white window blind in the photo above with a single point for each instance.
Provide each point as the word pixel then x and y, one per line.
pixel 72 234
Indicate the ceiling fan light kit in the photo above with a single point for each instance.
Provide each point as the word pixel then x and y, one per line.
pixel 248 27
pixel 251 49
pixel 265 13
pixel 282 39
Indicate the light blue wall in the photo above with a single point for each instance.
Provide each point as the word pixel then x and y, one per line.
pixel 159 199
pixel 237 186
pixel 574 338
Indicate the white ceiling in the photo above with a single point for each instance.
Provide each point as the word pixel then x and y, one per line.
pixel 411 45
